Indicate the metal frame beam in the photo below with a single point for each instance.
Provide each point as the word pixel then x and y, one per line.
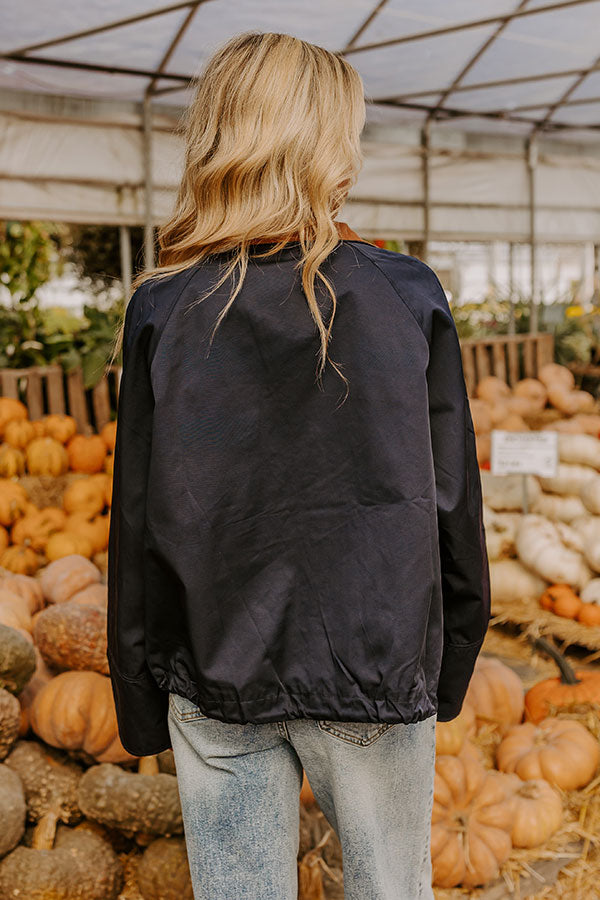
pixel 563 99
pixel 465 26
pixel 361 30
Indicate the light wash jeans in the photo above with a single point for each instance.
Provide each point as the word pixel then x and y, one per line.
pixel 239 787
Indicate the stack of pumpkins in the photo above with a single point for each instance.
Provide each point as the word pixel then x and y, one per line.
pixel 70 796
pixel 483 809
pixel 46 449
pixel 552 393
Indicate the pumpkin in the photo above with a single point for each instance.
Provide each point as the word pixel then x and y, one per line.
pixel 562 600
pixel 571 687
pixel 4 539
pixel 67 543
pixel 496 694
pixel 19 432
pixel 95 530
pixel 492 389
pixel 84 495
pixel 14 810
pixel 79 863
pixel 450 736
pixel 76 711
pixel 18 606
pixel 589 613
pixel 17 659
pixel 10 718
pixel 131 801
pixel 109 435
pixel 13 501
pixel 10 409
pixel 12 461
pixel 471 822
pixel 553 374
pixel 46 456
pixel 86 453
pixel 72 636
pixel 21 560
pixel 35 528
pixel 109 463
pixel 66 576
pixel 481 416
pixel 533 391
pixel 39 428
pixel 25 586
pixel 541 548
pixel 561 751
pixel 41 676
pixel 60 427
pixel 163 872
pixel 537 810
pixel 93 595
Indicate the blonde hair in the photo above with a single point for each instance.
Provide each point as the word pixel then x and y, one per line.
pixel 272 140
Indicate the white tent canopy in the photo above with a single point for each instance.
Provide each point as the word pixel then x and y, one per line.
pixel 484 115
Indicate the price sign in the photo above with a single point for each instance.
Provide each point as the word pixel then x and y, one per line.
pixel 525 453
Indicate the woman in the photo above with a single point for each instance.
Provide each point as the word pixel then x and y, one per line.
pixel 297 566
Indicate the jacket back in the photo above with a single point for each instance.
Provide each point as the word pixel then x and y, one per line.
pixel 275 552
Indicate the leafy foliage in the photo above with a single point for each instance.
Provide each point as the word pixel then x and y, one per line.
pixel 30 254
pixel 96 256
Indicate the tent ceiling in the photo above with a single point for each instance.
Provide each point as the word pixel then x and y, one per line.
pixel 532 62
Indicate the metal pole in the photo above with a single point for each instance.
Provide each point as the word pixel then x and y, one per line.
pixel 425 145
pixel 125 246
pixel 511 288
pixel 532 158
pixel 148 186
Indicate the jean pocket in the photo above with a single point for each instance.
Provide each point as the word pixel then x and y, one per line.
pixel 183 709
pixel 361 733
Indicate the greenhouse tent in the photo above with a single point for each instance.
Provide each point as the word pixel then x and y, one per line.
pixel 484 115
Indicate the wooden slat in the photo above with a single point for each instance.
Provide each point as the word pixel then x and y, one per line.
pixel 34 394
pixel 468 360
pixel 55 390
pixel 10 384
pixel 101 403
pixel 499 360
pixel 529 359
pixel 545 350
pixel 77 401
pixel 512 351
pixel 482 361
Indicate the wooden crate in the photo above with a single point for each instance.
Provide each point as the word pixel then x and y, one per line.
pixel 508 356
pixel 48 389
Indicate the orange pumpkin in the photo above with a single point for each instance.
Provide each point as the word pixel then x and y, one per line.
pixel 109 463
pixel 307 798
pixel 4 538
pixel 19 432
pixel 21 560
pixel 450 736
pixel 60 427
pixel 10 409
pixel 496 693
pixel 12 461
pixel 471 821
pixel 589 614
pixel 571 687
pixel 95 530
pixel 46 456
pixel 14 608
pixel 39 428
pixel 109 435
pixel 66 576
pixel 13 501
pixel 562 751
pixel 25 586
pixel 84 495
pixel 34 529
pixel 76 711
pixel 562 600
pixel 86 453
pixel 67 543
pixel 537 810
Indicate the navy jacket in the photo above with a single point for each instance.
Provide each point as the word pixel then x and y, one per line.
pixel 275 553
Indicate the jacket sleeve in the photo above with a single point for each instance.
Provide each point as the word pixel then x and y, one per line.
pixel 141 705
pixel 463 554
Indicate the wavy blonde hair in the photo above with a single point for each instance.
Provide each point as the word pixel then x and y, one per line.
pixel 272 140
